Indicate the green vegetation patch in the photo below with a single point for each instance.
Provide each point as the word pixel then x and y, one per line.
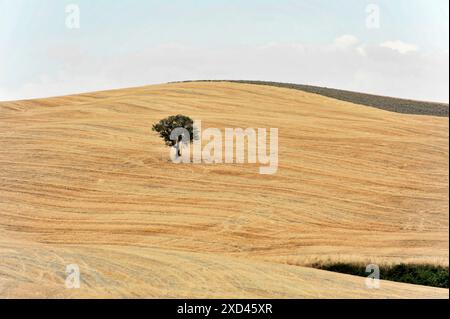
pixel 425 275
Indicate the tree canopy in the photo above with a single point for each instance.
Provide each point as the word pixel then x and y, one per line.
pixel 166 127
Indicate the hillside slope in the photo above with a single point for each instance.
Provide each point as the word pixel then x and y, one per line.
pixel 84 180
pixel 392 104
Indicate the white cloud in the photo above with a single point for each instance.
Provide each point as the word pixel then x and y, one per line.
pixel 344 64
pixel 346 41
pixel 361 50
pixel 399 46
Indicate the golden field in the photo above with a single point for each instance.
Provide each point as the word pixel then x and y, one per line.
pixel 84 180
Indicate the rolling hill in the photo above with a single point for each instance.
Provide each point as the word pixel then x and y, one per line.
pixel 84 181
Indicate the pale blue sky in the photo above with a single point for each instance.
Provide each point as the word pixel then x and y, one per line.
pixel 185 39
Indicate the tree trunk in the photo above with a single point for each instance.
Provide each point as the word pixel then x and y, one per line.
pixel 178 148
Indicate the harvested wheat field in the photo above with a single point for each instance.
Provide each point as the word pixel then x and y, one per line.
pixel 84 180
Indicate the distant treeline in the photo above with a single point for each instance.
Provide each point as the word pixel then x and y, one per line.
pixel 426 275
pixel 381 102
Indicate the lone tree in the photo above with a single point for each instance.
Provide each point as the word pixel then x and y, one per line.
pixel 176 130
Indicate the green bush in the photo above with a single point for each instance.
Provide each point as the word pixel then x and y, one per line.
pixel 426 275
